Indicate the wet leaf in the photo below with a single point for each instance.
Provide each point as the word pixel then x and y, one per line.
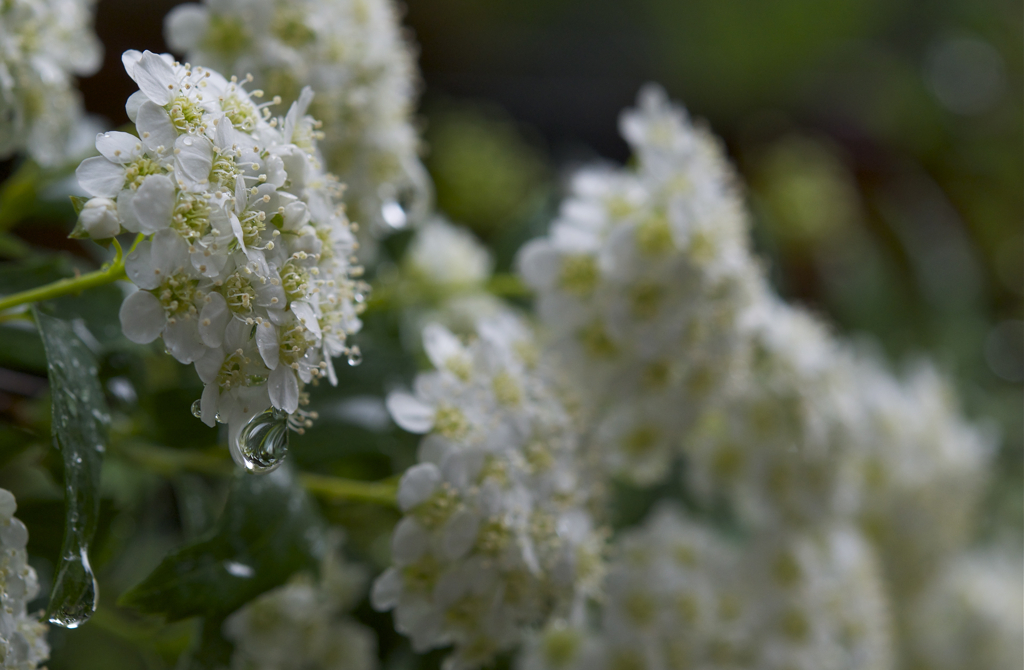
pixel 269 530
pixel 79 425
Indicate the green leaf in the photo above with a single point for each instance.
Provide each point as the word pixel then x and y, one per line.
pixel 269 530
pixel 210 651
pixel 78 202
pixel 79 425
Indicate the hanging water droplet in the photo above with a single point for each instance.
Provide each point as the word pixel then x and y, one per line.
pixel 74 595
pixel 264 441
pixel 355 357
pixel 197 409
pixel 219 418
pixel 393 214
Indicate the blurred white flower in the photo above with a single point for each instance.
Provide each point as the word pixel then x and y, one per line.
pixel 303 625
pixel 679 595
pixel 497 533
pixel 971 615
pixel 43 44
pixel 22 636
pixel 643 284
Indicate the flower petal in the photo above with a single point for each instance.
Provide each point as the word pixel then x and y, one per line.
pixel 139 266
pixel 387 589
pixel 155 128
pixel 142 317
pixel 214 319
pixel 193 160
pixel 118 147
pixel 182 339
pixel 266 342
pixel 305 314
pixel 208 404
pixel 409 412
pixel 417 484
pixel 155 78
pixel 153 203
pixel 441 345
pixel 284 389
pixel 409 541
pixel 98 176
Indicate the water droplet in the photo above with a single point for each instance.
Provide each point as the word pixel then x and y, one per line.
pixel 239 569
pixel 197 409
pixel 355 357
pixel 74 592
pixel 394 214
pixel 264 441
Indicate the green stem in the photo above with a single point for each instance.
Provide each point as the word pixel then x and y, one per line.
pixel 168 462
pixel 390 296
pixel 337 488
pixel 105 275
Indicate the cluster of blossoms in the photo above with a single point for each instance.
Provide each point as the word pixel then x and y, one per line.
pixel 680 596
pixel 443 279
pixel 971 615
pixel 22 637
pixel 498 532
pixel 43 44
pixel 353 55
pixel 643 283
pixel 657 312
pixel 246 269
pixel 303 624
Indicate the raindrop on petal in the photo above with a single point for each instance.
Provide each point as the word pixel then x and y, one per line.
pixel 263 441
pixel 197 409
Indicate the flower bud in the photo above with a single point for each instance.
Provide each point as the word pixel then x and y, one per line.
pixel 99 218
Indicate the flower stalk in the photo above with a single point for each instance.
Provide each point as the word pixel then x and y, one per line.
pixel 107 274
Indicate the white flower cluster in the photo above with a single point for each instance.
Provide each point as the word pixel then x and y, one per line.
pixel 444 280
pixel 246 269
pixel 923 472
pixel 353 54
pixel 680 596
pixel 43 44
pixel 781 446
pixel 642 282
pixel 659 315
pixel 302 625
pixel 972 615
pixel 497 533
pixel 22 637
